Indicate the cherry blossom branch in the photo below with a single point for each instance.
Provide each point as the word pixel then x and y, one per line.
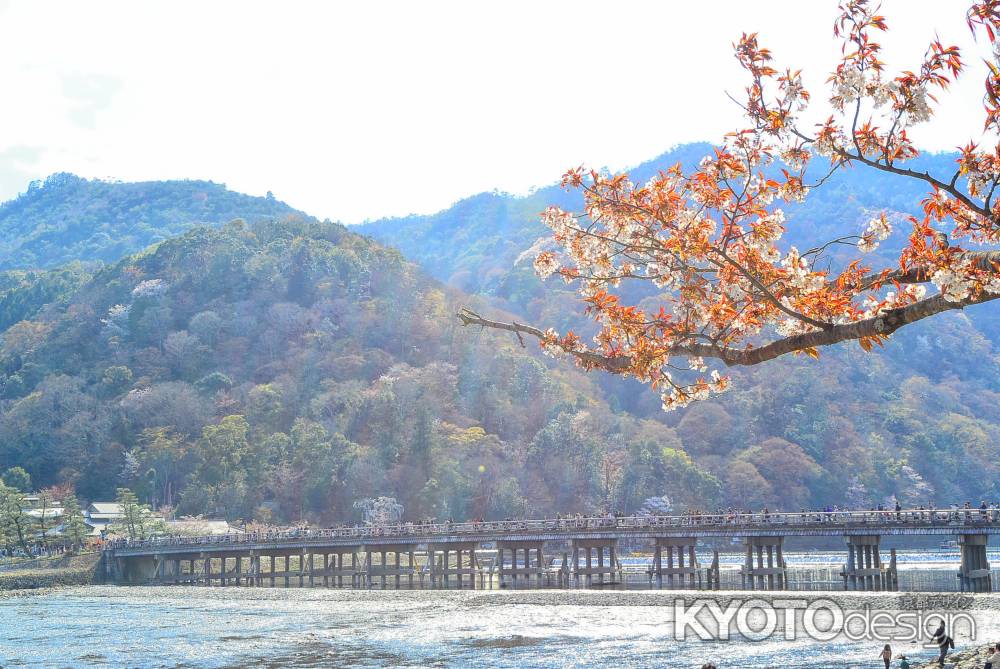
pixel 882 325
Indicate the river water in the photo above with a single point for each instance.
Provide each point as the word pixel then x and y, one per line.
pixel 107 626
pixel 195 627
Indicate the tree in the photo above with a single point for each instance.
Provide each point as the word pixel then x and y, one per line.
pixel 221 448
pixel 17 478
pixel 46 519
pixel 136 522
pixel 116 379
pixel 74 527
pixel 164 454
pixel 15 523
pixel 709 240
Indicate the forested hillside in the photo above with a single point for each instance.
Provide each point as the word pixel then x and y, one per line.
pixel 65 218
pixel 283 368
pixel 282 371
pixel 916 419
pixel 481 244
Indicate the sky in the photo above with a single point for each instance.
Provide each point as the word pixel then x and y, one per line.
pixel 359 110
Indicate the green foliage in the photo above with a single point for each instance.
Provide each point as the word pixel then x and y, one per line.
pixel 74 527
pixel 137 522
pixel 284 370
pixel 65 218
pixel 17 478
pixel 16 526
pixel 116 379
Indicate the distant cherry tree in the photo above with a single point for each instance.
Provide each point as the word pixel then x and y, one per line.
pixel 710 240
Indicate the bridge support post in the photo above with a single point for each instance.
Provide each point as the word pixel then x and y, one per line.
pixel 525 568
pixel 714 573
pixel 682 546
pixel 766 574
pixel 864 569
pixel 974 573
pixel 465 563
pixel 598 546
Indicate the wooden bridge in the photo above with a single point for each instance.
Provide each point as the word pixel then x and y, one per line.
pixel 513 552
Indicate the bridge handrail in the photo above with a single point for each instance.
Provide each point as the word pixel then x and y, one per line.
pixel 569 525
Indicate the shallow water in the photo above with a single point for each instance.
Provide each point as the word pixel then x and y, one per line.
pixel 107 626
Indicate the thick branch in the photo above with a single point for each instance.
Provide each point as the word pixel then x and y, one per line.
pixel 985 261
pixel 880 326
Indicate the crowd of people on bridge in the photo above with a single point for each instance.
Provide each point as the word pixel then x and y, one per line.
pixel 988 513
pixel 834 514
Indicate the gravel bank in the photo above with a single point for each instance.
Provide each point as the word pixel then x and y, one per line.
pixel 69 571
pixel 847 600
pixel 967 659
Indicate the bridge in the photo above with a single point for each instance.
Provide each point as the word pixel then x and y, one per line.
pixel 443 555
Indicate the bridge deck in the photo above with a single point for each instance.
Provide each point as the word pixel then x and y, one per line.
pixel 817 524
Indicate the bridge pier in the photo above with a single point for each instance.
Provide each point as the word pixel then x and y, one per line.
pixel 714 573
pixel 679 546
pixel 166 569
pixel 524 567
pixel 864 569
pixel 974 573
pixel 769 572
pixel 602 548
pixel 335 571
pixel 389 565
pixel 466 564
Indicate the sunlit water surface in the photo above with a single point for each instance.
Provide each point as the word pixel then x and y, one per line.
pixel 106 626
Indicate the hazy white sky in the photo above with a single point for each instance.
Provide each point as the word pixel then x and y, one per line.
pixel 355 110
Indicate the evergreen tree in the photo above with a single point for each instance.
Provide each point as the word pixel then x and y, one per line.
pixel 136 521
pixel 15 524
pixel 17 478
pixel 74 527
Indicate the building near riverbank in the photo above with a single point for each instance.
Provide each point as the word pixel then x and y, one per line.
pixel 99 516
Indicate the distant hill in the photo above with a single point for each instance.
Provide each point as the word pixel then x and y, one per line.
pixel 475 244
pixel 66 218
pixel 916 419
pixel 284 370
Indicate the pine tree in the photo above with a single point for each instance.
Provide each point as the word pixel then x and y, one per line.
pixel 15 523
pixel 74 528
pixel 133 521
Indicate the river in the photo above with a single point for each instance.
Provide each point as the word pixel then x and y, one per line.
pixel 108 626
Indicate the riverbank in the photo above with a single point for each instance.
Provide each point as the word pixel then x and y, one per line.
pixel 967 659
pixel 885 601
pixel 62 571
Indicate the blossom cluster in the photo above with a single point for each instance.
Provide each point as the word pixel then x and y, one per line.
pixel 878 230
pixel 709 241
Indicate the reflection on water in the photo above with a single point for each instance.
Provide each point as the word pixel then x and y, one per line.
pixel 230 627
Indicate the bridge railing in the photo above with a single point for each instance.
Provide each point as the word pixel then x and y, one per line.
pixel 572 525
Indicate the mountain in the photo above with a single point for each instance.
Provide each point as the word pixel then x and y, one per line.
pixel 284 368
pixel 281 371
pixel 66 218
pixel 479 244
pixel 915 420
